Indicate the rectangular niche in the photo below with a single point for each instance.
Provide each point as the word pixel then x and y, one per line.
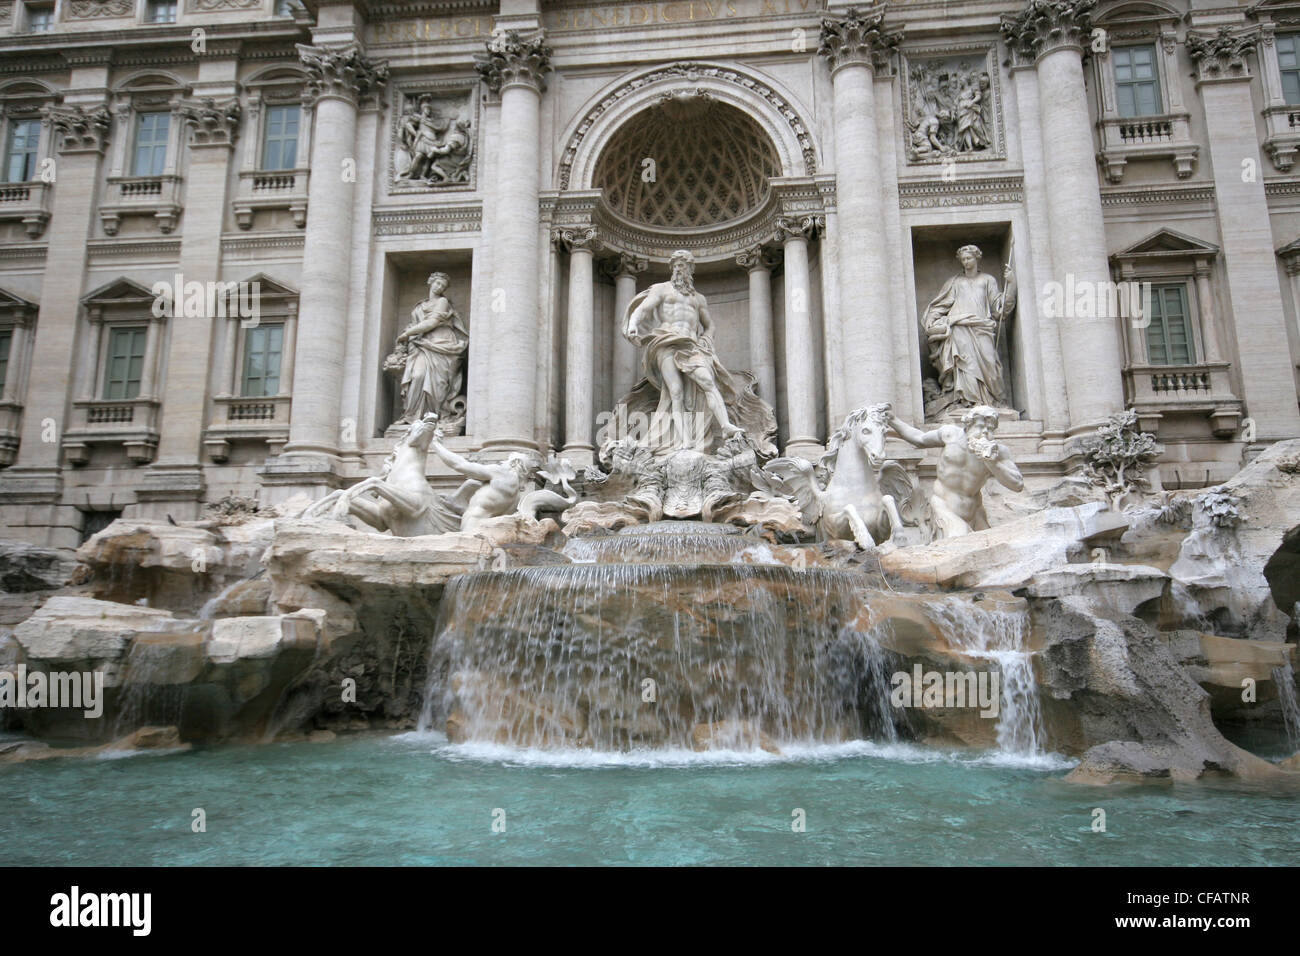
pixel 934 262
pixel 952 105
pixel 406 277
pixel 446 136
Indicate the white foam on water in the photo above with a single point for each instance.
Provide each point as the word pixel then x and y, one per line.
pixel 670 758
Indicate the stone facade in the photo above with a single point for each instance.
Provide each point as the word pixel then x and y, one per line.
pixel 224 222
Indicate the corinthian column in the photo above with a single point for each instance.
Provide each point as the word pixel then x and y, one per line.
pixel 338 78
pixel 1051 34
pixel 800 385
pixel 854 45
pixel 515 66
pixel 1258 323
pixel 625 269
pixel 762 350
pixel 580 345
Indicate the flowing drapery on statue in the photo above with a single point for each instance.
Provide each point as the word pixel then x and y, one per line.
pixel 961 327
pixel 431 353
pixel 690 398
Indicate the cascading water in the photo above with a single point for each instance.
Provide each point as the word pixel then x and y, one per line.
pixel 1000 636
pixel 619 655
pixel 1284 678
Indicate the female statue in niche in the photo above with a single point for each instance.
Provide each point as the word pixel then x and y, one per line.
pixel 431 355
pixel 961 326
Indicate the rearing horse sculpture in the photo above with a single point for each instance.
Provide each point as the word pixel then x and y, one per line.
pixel 399 499
pixel 863 493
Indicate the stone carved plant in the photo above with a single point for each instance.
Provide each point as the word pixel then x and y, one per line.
pixel 1218 508
pixel 1117 458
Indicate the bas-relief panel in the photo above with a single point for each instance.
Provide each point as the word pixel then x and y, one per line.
pixel 433 138
pixel 952 106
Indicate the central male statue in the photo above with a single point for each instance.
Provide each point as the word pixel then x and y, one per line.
pixel 670 320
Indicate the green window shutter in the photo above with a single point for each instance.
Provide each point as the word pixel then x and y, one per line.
pixel 263 347
pixel 151 144
pixel 20 154
pixel 1137 81
pixel 280 145
pixel 1169 336
pixel 125 363
pixel 1288 61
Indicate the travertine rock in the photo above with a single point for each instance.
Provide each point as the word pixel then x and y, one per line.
pixel 1010 554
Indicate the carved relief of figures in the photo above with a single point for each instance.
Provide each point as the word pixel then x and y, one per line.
pixel 430 354
pixel 950 109
pixel 961 326
pixel 433 144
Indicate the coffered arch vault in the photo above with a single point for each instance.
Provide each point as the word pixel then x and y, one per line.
pixel 769 106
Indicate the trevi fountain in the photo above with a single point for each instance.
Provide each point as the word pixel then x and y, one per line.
pixel 691 613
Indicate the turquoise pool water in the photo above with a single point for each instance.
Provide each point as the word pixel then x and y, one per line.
pixel 414 799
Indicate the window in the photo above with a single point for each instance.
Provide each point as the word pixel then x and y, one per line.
pixel 262 347
pixel 40 18
pixel 1137 84
pixel 1169 336
pixel 20 152
pixel 1288 61
pixel 125 363
pixel 280 148
pixel 160 11
pixel 6 341
pixel 151 144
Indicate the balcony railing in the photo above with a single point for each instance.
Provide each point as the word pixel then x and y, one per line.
pixel 156 196
pixel 271 189
pixel 1165 136
pixel 240 419
pixel 131 423
pixel 1283 138
pixel 1146 131
pixel 1155 391
pixel 28 202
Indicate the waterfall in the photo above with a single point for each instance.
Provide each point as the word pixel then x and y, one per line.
pixel 614 656
pixel 1284 679
pixel 1001 636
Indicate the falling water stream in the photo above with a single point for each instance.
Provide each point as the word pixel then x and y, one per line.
pixel 667 636
pixel 1284 679
pixel 1001 636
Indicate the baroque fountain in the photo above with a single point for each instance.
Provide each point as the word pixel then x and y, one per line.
pixel 696 590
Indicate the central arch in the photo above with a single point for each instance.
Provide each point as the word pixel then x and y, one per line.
pixel 765 103
pixel 687 162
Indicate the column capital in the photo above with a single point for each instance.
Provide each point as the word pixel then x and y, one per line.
pixel 515 59
pixel 1222 55
pixel 210 123
pixel 1045 26
pixel 341 71
pixel 577 238
pixel 757 257
pixel 625 264
pixel 82 130
pixel 858 38
pixel 799 227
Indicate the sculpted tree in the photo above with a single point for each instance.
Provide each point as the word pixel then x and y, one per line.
pixel 1118 457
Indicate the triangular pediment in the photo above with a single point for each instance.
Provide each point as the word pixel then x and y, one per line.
pixel 1167 243
pixel 10 302
pixel 269 287
pixel 120 291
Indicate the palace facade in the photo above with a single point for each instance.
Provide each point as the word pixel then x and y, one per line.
pixel 217 217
